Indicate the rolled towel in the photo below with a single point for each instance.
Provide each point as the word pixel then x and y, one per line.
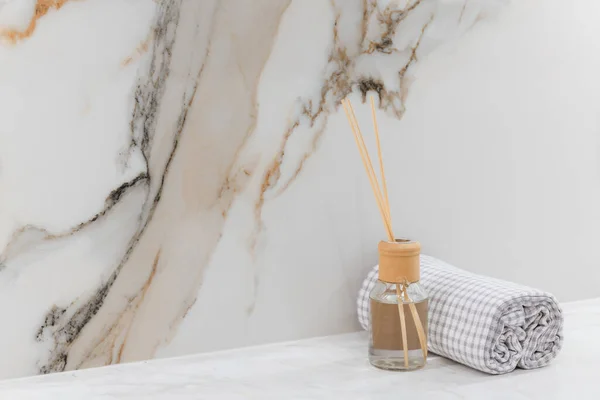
pixel 485 323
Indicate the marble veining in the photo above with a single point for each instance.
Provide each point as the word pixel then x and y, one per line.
pixel 176 177
pixel 224 169
pixel 202 137
pixel 37 9
pixel 326 368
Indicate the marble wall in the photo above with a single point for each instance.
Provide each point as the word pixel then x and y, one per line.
pixel 177 176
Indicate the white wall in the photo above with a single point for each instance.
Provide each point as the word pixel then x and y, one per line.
pixel 505 133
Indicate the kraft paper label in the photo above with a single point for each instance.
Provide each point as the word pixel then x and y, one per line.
pixel 386 330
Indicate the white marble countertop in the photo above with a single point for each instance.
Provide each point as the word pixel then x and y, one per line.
pixel 333 367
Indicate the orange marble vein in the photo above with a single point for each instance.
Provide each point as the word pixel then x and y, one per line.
pixel 41 8
pixel 141 49
pixel 139 299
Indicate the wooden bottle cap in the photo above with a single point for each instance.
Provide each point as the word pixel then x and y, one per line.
pixel 399 261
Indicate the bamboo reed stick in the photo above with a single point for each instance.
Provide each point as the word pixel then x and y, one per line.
pixel 368 167
pixel 420 329
pixel 371 172
pixel 402 324
pixel 381 169
pixel 418 323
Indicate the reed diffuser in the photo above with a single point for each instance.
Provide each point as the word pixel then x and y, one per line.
pixel 398 303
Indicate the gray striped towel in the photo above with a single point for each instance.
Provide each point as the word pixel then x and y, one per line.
pixel 485 323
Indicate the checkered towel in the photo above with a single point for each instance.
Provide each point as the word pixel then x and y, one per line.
pixel 485 323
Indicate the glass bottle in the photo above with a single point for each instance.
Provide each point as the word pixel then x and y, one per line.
pixel 398 309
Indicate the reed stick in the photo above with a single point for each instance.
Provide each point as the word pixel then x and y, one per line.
pixel 360 142
pixel 368 166
pixel 420 328
pixel 381 169
pixel 402 324
pixel 371 169
pixel 418 323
